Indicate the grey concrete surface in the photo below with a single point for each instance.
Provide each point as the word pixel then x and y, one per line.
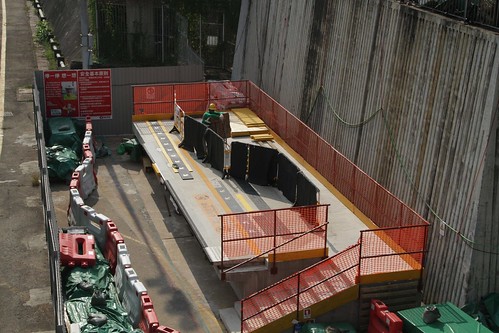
pixel 24 280
pixel 184 287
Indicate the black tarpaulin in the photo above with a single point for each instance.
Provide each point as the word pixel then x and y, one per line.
pixel 286 177
pixel 194 137
pixel 215 150
pixel 306 191
pixel 262 166
pixel 238 159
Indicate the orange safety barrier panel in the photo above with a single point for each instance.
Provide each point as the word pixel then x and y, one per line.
pixel 153 99
pixel 252 233
pixel 300 290
pixel 192 97
pixel 392 249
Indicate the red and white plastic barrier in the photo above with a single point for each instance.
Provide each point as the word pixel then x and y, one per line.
pixel 131 292
pixel 383 321
pixel 123 272
pixel 99 225
pixel 77 249
pixel 111 248
pixel 75 202
pixel 149 321
pixel 88 140
pixel 165 329
pixel 84 173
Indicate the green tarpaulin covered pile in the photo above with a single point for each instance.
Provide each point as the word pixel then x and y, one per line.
pixel 64 132
pixel 92 301
pixel 61 162
pixel 64 146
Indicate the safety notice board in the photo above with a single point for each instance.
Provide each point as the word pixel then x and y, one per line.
pixel 78 93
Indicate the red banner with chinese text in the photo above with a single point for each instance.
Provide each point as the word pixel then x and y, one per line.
pixel 78 93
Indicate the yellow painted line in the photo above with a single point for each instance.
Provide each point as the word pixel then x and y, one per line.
pixel 298 255
pixel 156 169
pixel 147 117
pixel 161 146
pixel 362 217
pixel 251 243
pixel 414 274
pixel 243 202
pixel 175 142
pixel 209 184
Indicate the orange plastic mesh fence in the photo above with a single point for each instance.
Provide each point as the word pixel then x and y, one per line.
pixel 371 198
pixel 300 290
pixel 365 194
pixel 328 278
pixel 192 97
pixel 269 304
pixel 253 233
pixel 302 138
pixel 228 94
pixel 392 249
pixel 156 99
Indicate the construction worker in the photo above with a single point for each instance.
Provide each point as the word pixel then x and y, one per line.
pixel 212 113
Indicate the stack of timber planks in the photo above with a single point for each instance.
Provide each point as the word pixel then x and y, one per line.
pixel 253 126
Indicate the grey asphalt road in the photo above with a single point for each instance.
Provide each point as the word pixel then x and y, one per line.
pixel 24 279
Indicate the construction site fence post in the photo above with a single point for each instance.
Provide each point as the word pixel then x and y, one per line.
pixel 298 285
pixel 274 265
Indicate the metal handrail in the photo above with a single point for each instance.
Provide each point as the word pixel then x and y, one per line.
pixel 273 249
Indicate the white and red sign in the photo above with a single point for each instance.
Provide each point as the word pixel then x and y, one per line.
pixel 78 93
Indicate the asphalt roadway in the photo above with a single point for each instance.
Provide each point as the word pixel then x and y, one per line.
pixel 186 293
pixel 24 279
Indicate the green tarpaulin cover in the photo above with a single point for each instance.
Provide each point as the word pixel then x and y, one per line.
pixel 63 131
pixel 61 162
pixel 90 293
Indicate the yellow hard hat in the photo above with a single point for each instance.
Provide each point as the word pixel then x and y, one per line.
pixel 212 106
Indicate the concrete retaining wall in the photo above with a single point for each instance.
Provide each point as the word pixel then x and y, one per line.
pixel 411 98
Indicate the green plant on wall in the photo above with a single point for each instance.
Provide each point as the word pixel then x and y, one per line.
pixel 43 31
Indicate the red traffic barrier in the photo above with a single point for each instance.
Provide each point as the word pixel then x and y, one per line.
pixel 111 248
pixel 87 153
pixel 164 329
pixel 383 321
pixel 88 123
pixel 111 227
pixel 77 249
pixel 149 322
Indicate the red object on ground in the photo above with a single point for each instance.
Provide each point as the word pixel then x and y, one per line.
pixel 111 249
pixel 77 250
pixel 383 321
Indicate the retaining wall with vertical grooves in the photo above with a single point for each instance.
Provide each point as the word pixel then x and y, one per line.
pixel 411 98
